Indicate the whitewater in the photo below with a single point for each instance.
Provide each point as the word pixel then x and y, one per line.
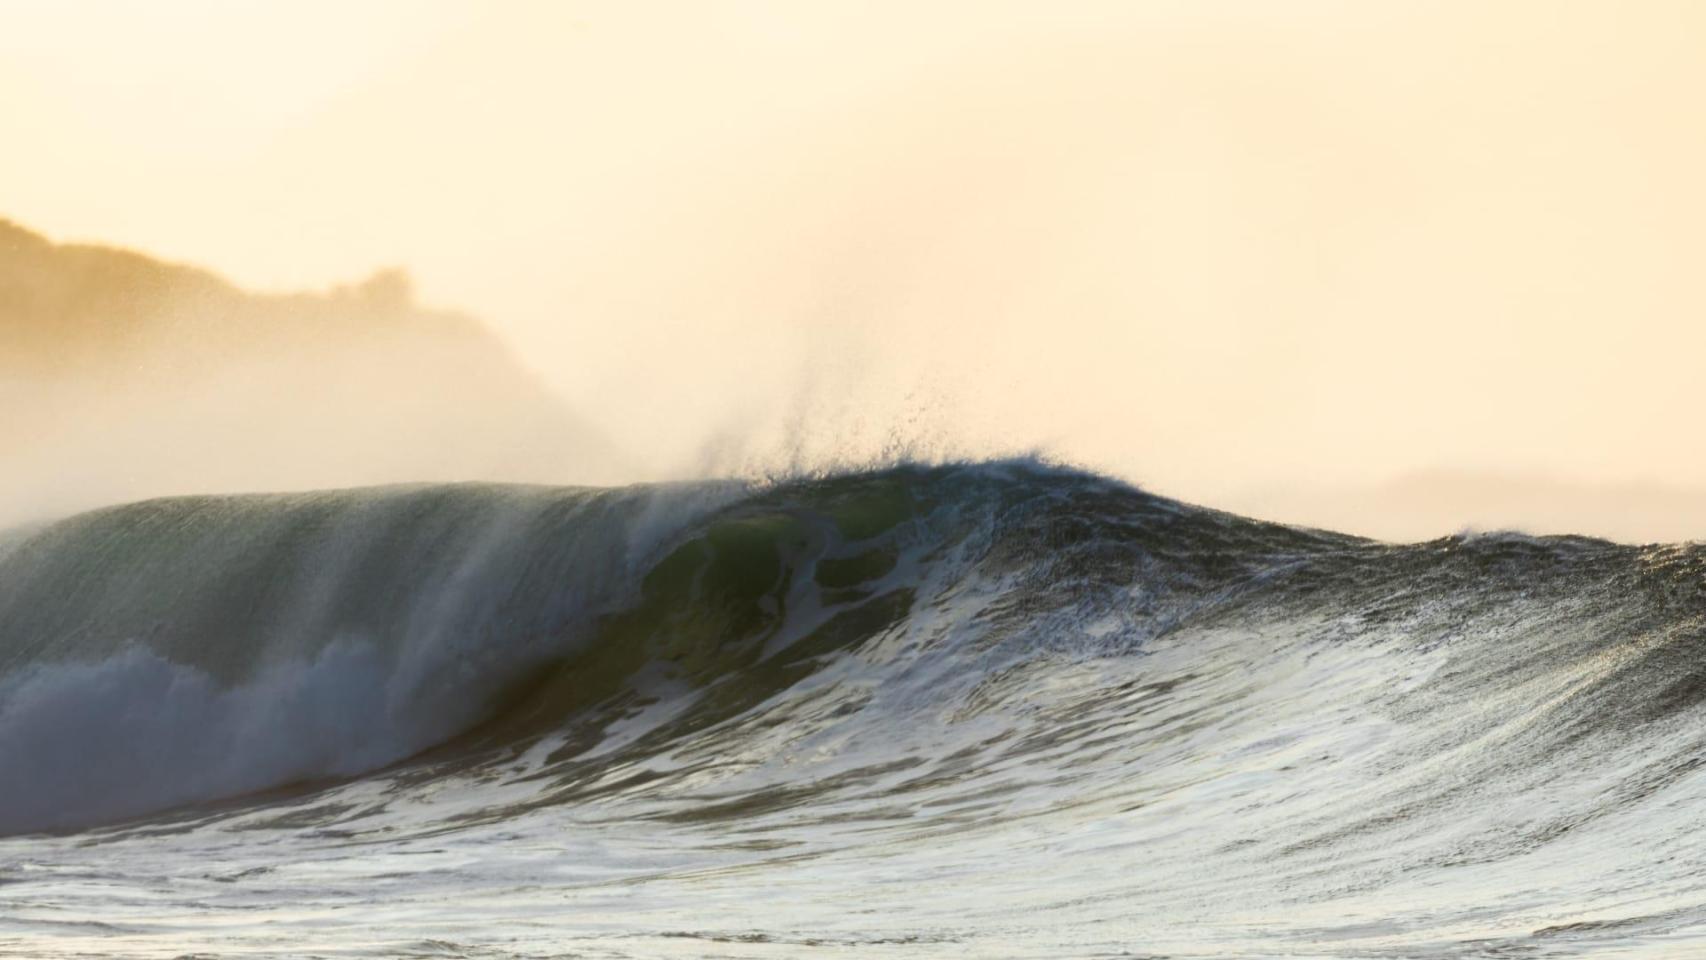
pixel 999 709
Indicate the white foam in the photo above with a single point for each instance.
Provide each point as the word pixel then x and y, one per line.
pixel 88 742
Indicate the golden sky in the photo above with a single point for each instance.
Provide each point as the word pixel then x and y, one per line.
pixel 1216 247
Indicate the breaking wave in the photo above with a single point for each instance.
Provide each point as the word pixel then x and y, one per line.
pixel 996 659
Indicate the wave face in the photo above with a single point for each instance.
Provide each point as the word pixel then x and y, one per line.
pixel 998 709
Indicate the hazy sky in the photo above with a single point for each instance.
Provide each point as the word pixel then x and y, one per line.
pixel 1213 246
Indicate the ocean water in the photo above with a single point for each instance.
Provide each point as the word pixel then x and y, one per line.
pixel 992 710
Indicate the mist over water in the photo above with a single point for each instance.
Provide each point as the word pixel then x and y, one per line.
pixel 1280 259
pixel 132 378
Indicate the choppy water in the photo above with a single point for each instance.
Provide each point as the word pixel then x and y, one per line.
pixel 984 710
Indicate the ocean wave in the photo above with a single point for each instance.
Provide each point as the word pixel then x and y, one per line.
pixel 557 644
